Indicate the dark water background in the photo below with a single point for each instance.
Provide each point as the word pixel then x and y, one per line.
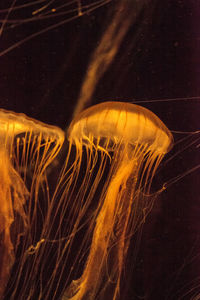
pixel 158 59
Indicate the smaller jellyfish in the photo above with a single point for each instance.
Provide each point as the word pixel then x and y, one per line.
pixel 134 140
pixel 24 143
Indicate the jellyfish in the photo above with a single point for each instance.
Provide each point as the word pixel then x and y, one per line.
pixel 26 146
pixel 134 141
pixel 104 65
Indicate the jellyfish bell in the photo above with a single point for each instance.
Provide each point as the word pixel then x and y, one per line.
pixel 121 122
pixel 13 124
pixel 21 140
pixel 138 140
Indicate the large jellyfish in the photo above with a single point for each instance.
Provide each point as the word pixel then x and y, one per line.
pixel 134 140
pixel 26 146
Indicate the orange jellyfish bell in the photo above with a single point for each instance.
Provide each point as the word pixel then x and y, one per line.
pixel 135 140
pixel 21 141
pixel 121 122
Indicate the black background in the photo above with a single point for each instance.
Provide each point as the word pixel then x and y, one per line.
pixel 158 60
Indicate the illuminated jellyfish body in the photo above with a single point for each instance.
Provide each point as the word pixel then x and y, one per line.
pixel 134 140
pixel 25 145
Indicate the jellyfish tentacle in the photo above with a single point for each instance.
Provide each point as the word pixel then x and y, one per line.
pixel 27 147
pixel 138 141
